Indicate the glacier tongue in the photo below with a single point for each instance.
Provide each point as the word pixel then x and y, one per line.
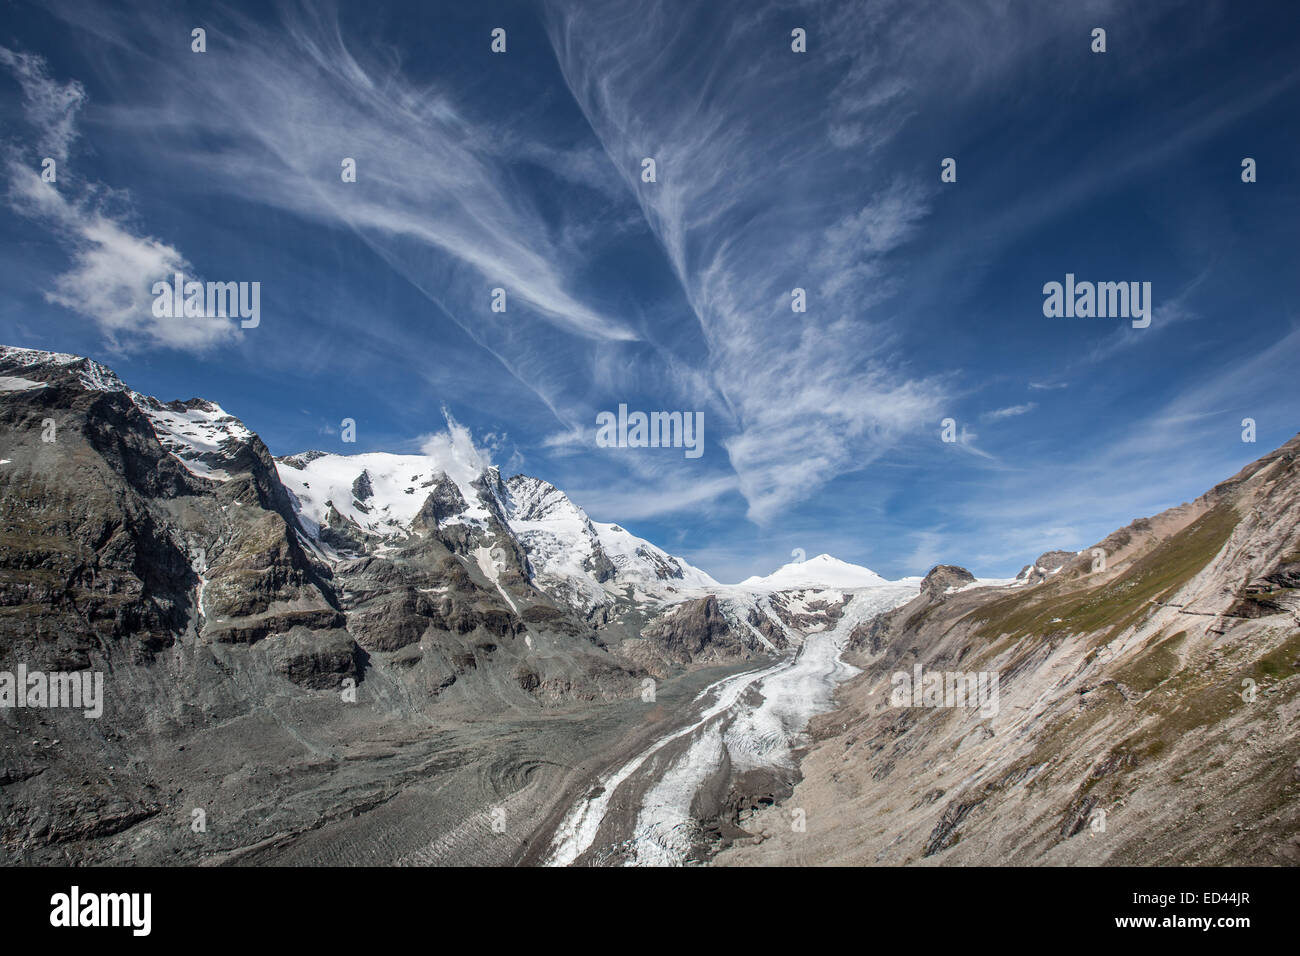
pixel 750 720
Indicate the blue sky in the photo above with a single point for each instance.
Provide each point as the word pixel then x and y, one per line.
pixel 775 170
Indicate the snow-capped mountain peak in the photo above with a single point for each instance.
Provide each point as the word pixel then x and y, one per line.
pixel 592 562
pixel 381 493
pixel 201 434
pixel 822 571
pixel 588 563
pixel 92 375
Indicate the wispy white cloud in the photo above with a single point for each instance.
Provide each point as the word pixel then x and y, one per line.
pixel 1011 411
pixel 434 194
pixel 638 502
pixel 51 106
pixel 113 265
pixel 732 210
pixel 1163 316
pixel 1171 312
pixel 928 551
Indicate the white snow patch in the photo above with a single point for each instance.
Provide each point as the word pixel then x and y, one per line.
pixel 14 383
pixel 488 566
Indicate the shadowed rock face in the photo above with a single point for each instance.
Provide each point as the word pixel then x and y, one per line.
pixel 691 629
pixel 444 501
pixel 774 633
pixel 1145 712
pixel 361 488
pixel 110 542
pixel 84 556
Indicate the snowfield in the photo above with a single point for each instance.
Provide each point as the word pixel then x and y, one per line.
pixel 399 486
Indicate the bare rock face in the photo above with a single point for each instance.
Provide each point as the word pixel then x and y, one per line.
pixel 263 582
pixel 775 634
pixel 362 488
pixel 692 627
pixel 1049 563
pixel 804 609
pixel 317 660
pixel 1286 574
pixel 940 585
pixel 85 554
pixel 444 501
pixel 944 578
pixel 388 606
pixel 600 566
pixel 695 632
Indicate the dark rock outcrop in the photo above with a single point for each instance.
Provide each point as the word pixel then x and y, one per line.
pixel 943 578
pixel 695 630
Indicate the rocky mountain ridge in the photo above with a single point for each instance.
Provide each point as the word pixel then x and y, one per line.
pixel 379 547
pixel 216 586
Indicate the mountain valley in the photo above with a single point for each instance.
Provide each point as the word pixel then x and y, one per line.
pixel 325 658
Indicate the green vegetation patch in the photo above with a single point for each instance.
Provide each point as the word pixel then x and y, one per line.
pixel 1153 666
pixel 1121 602
pixel 1281 662
pixel 1194 699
